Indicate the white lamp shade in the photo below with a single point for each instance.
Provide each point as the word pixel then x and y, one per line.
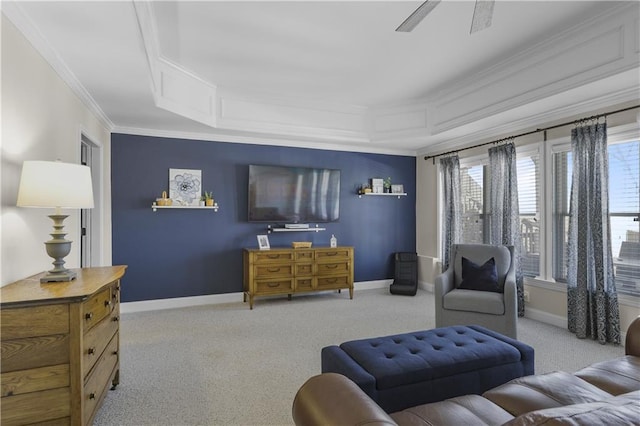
pixel 55 184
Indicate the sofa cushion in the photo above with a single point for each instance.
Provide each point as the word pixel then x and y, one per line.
pixel 422 356
pixel 616 376
pixel 541 391
pixel 462 410
pixel 474 301
pixel 479 277
pixel 620 410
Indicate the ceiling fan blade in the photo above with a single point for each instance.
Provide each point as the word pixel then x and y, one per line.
pixel 482 15
pixel 418 15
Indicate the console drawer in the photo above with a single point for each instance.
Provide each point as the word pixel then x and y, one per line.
pixel 337 282
pixel 332 254
pixel 304 269
pixel 273 270
pixel 275 286
pixel 302 255
pixel 269 256
pixel 305 284
pixel 333 268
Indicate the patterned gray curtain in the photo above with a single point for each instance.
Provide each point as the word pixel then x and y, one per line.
pixel 450 167
pixel 592 300
pixel 505 212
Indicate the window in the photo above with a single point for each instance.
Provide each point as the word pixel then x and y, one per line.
pixel 624 213
pixel 528 169
pixel 544 193
pixel 476 217
pixel 472 197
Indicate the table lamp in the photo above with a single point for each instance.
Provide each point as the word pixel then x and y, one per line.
pixel 54 184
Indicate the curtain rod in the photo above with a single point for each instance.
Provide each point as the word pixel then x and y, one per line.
pixel 593 117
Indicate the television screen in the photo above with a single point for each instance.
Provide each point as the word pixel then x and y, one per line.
pixel 293 194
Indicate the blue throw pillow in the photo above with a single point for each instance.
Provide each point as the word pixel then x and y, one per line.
pixel 481 278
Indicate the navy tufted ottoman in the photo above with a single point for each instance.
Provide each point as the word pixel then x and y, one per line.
pixel 409 369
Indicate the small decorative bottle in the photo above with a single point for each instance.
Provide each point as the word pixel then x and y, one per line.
pixel 334 241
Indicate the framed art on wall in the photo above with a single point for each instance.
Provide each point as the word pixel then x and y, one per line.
pixel 185 186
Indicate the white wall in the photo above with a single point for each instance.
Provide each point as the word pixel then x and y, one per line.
pixel 41 120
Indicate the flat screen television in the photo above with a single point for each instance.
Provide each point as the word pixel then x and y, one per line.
pixel 280 194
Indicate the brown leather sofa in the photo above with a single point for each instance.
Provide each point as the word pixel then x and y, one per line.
pixel 607 392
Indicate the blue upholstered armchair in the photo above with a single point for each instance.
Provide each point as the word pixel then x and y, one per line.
pixel 496 310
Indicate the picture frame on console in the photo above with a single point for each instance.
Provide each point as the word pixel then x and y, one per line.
pixel 397 189
pixel 263 242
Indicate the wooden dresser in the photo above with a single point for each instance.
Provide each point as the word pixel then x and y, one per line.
pixel 289 271
pixel 60 347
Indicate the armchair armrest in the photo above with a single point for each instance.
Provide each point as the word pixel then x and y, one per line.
pixel 333 399
pixel 443 284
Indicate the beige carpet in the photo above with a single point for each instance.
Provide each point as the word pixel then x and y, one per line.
pixel 227 365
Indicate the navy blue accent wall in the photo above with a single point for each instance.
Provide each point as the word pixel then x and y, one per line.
pixel 179 253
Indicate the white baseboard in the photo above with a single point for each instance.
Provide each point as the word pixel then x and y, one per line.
pixel 545 317
pixel 213 299
pixel 179 302
pixel 370 285
pixel 425 286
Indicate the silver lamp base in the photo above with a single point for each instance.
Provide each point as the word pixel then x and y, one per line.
pixel 58 247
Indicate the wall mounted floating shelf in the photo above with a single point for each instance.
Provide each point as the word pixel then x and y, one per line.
pixel 214 207
pixel 271 229
pixel 384 194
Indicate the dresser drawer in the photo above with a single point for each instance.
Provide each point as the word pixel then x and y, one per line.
pixel 302 269
pixel 99 381
pixel 34 380
pixel 332 254
pixel 96 308
pixel 269 256
pixel 302 255
pixel 32 321
pixel 36 407
pixel 34 352
pixel 273 270
pixel 274 286
pixel 97 339
pixel 328 283
pixel 333 268
pixel 305 284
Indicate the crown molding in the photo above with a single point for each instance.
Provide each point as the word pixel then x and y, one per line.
pixel 15 13
pixel 631 94
pixel 258 139
pixel 564 59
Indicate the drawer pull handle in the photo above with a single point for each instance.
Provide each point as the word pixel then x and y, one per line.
pixel 116 319
pixel 273 285
pixel 91 351
pixel 92 395
pixel 88 315
pixel 333 253
pixel 331 266
pixel 273 256
pixel 273 269
pixel 332 281
pixel 107 303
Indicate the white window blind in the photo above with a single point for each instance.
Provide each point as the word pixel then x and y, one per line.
pixel 472 197
pixel 528 168
pixel 624 213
